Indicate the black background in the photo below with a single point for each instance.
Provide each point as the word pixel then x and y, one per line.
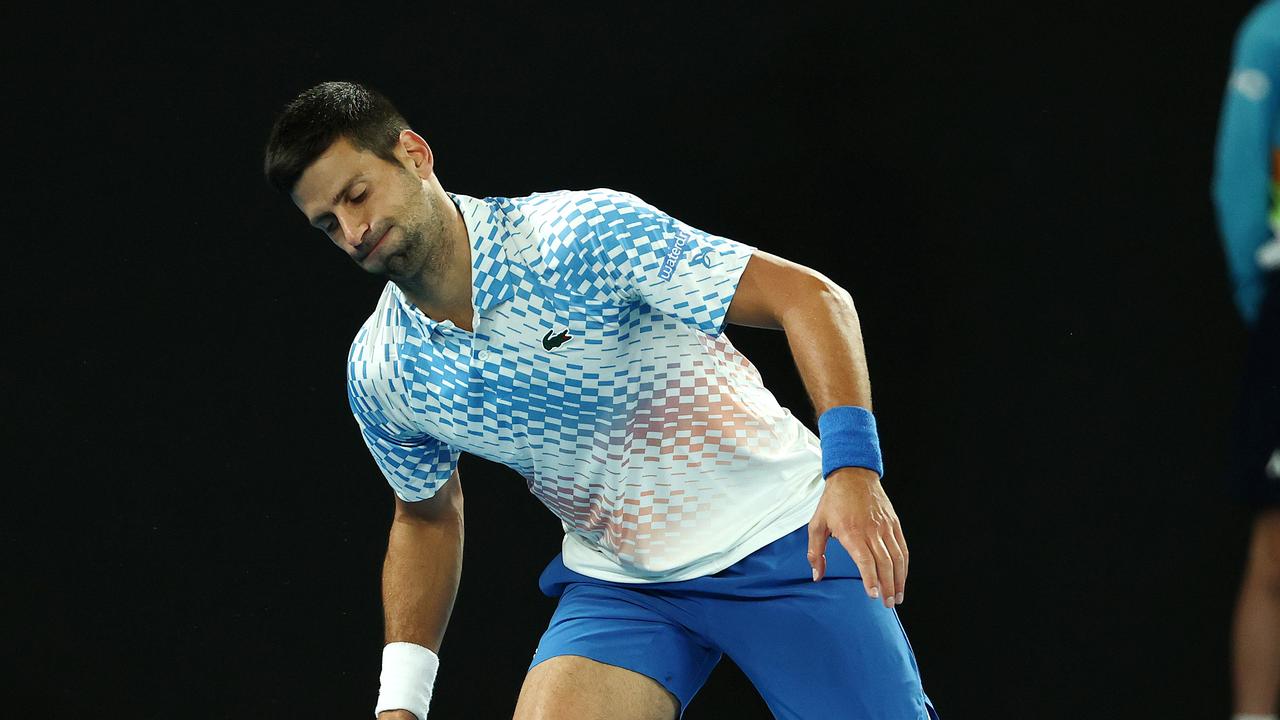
pixel 1015 194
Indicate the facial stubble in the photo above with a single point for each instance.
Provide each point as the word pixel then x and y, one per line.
pixel 425 249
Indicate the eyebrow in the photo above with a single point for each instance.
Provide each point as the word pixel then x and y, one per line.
pixel 315 222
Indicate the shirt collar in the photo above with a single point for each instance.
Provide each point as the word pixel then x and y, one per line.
pixel 491 276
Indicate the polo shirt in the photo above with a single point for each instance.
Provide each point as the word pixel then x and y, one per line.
pixel 598 370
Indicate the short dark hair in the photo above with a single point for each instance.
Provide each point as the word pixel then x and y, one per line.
pixel 317 117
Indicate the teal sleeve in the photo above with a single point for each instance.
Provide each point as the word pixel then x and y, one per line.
pixel 1242 168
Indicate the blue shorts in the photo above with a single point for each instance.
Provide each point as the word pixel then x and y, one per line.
pixel 812 650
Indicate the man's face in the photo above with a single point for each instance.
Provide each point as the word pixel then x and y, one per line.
pixel 377 212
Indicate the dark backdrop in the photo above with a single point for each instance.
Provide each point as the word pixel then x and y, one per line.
pixel 1016 196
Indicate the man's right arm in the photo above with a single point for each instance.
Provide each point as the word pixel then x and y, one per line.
pixel 422 569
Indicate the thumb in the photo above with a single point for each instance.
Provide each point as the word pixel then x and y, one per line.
pixel 818 534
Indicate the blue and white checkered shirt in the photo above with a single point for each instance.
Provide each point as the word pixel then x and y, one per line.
pixel 598 371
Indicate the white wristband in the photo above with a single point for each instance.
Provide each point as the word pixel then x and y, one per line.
pixel 408 672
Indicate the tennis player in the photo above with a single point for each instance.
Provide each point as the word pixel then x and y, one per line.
pixel 578 338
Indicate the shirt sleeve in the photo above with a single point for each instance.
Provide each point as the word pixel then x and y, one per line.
pixel 415 464
pixel 645 255
pixel 1242 181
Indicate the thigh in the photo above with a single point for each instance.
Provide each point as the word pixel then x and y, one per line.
pixel 824 650
pixel 606 642
pixel 571 687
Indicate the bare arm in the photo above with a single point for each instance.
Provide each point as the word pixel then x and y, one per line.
pixel 820 322
pixel 421 572
pixel 423 567
pixel 826 341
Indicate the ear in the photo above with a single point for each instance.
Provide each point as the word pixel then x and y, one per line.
pixel 417 153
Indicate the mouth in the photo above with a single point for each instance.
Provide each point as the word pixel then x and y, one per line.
pixel 376 244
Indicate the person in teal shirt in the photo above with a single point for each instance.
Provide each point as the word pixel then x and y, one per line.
pixel 1246 193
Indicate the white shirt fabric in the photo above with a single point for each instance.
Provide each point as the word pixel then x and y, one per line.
pixel 597 370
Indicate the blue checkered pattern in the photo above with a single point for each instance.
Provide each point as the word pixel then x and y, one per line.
pixel 647 434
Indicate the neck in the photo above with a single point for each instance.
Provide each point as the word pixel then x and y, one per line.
pixel 442 290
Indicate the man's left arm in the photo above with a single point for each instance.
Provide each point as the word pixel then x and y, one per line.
pixel 822 330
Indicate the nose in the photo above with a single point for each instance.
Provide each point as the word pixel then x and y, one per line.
pixel 355 230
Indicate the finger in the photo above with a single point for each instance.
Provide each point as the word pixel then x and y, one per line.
pixel 866 563
pixel 895 590
pixel 906 560
pixel 818 534
pixel 816 555
pixel 884 566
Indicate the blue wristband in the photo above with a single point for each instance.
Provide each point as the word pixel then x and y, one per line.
pixel 849 439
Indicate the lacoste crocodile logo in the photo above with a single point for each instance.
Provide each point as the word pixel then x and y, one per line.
pixel 551 342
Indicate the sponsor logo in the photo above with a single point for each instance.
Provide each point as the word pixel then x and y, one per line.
pixel 551 342
pixel 703 258
pixel 673 257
